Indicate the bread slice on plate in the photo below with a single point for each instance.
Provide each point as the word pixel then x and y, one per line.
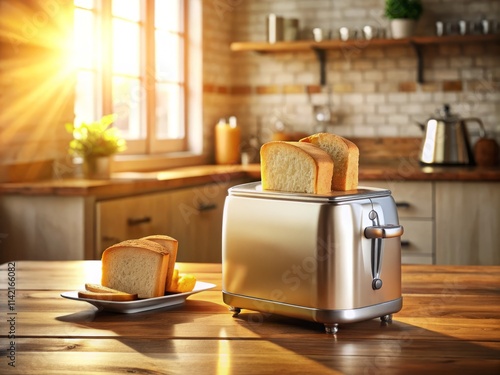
pixel 136 267
pixel 171 246
pixel 345 155
pixel 107 296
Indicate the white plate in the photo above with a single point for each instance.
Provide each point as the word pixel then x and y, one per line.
pixel 130 307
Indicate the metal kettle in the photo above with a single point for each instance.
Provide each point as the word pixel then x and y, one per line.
pixel 446 140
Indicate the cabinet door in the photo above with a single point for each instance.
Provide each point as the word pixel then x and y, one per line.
pixel 415 202
pixel 196 222
pixel 414 199
pixel 468 223
pixel 128 218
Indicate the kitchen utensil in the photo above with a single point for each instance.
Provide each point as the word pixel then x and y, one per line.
pixel 439 28
pixel 486 152
pixel 369 32
pixel 318 34
pixel 446 140
pixel 331 259
pixel 290 29
pixel 274 28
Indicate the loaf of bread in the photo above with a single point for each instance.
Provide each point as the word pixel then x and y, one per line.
pixel 136 267
pixel 345 155
pixel 181 283
pixel 170 245
pixel 298 167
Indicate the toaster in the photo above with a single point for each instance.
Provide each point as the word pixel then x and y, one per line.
pixel 331 259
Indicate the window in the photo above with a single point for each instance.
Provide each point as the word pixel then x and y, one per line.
pixel 130 57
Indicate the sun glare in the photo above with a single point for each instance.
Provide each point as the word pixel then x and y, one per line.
pixel 37 44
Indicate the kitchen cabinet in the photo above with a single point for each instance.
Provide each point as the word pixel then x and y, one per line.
pixel 193 216
pixel 447 222
pixel 41 227
pixel 195 220
pixel 45 227
pixel 468 223
pixel 132 217
pixel 417 43
pixel 415 203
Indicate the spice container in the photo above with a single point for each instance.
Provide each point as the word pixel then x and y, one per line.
pixel 227 142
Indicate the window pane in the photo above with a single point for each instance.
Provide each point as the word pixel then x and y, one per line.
pixel 168 57
pixel 89 4
pixel 128 98
pixel 169 15
pixel 126 55
pixel 128 9
pixel 169 117
pixel 85 49
pixel 85 99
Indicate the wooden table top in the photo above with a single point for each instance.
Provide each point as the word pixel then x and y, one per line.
pixel 450 323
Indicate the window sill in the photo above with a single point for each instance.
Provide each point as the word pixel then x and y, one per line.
pixel 141 163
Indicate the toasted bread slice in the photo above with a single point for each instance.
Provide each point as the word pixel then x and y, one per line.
pixel 98 288
pixel 170 245
pixel 112 296
pixel 136 267
pixel 297 167
pixel 345 155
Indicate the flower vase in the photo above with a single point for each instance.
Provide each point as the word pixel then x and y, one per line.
pixel 97 168
pixel 402 28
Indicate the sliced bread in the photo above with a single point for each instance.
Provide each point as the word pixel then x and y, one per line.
pixel 345 155
pixel 171 245
pixel 297 167
pixel 136 267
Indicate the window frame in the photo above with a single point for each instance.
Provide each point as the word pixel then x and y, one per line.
pixel 150 145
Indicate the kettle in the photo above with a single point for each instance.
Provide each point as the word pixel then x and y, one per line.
pixel 446 140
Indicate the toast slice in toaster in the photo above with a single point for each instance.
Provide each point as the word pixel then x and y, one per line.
pixel 297 167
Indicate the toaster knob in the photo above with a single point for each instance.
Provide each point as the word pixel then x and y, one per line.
pixel 376 284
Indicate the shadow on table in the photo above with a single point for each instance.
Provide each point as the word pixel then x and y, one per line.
pixel 368 347
pixel 373 346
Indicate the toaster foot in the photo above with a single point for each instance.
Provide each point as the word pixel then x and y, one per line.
pixel 386 318
pixel 331 328
pixel 234 310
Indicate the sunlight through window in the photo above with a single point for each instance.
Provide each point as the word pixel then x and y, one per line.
pixel 130 57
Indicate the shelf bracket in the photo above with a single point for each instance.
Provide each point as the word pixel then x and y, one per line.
pixel 420 61
pixel 321 54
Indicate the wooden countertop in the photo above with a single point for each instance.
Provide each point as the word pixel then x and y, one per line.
pixel 450 323
pixel 129 183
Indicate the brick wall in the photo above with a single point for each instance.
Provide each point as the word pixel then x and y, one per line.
pixel 372 90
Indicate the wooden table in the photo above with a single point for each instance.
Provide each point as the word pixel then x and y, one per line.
pixel 450 323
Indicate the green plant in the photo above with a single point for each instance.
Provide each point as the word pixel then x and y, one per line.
pixel 409 9
pixel 95 139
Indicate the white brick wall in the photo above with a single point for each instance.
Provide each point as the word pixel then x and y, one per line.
pixel 374 89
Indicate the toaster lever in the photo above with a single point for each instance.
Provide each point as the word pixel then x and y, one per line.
pixel 384 231
pixel 376 233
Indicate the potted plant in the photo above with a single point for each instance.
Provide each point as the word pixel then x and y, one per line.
pixel 403 15
pixel 95 142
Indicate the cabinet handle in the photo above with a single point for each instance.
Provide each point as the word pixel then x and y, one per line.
pixel 403 205
pixel 131 221
pixel 207 207
pixel 405 243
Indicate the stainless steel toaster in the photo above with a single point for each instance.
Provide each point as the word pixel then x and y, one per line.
pixel 331 259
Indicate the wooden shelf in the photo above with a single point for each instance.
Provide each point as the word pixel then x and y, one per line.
pixel 308 45
pixel 320 48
